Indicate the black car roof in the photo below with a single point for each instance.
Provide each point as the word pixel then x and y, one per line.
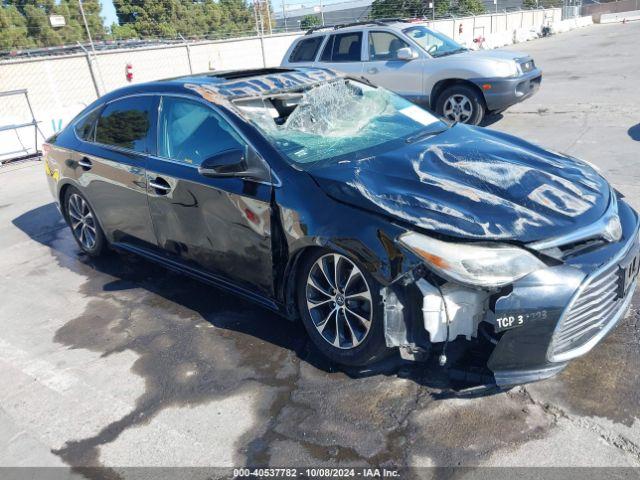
pixel 227 85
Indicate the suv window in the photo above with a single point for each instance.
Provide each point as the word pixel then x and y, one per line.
pixel 126 123
pixel 85 128
pixel 191 132
pixel 306 50
pixel 343 47
pixel 384 46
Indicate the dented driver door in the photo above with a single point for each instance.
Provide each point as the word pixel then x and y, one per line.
pixel 219 225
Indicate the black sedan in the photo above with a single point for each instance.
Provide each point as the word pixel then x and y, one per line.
pixel 341 205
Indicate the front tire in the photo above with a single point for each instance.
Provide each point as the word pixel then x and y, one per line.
pixel 84 223
pixel 462 104
pixel 341 309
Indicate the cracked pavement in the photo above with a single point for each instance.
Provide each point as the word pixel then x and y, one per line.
pixel 118 362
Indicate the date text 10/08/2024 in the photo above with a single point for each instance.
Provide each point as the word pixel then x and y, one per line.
pixel 316 472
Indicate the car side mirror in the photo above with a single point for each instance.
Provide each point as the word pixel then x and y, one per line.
pixel 229 163
pixel 406 54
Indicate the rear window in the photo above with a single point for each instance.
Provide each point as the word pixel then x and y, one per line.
pixel 126 123
pixel 343 47
pixel 306 50
pixel 85 128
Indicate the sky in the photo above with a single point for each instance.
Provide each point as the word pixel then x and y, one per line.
pixel 109 12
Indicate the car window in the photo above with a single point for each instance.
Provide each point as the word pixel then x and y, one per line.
pixel 434 43
pixel 191 132
pixel 306 50
pixel 343 47
pixel 326 52
pixel 126 123
pixel 384 46
pixel 85 128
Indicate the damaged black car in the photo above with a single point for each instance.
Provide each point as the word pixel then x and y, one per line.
pixel 382 228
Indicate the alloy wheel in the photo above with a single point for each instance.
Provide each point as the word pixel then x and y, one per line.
pixel 458 108
pixel 339 301
pixel 82 221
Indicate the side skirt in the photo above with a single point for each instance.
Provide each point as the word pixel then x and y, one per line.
pixel 201 275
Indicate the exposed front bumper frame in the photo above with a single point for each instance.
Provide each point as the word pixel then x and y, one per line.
pixel 521 354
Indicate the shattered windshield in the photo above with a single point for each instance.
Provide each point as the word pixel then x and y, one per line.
pixel 337 120
pixel 434 43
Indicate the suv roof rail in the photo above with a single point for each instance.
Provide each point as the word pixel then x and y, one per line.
pixel 375 21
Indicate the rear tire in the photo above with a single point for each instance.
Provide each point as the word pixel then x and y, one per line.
pixel 462 104
pixel 84 223
pixel 344 319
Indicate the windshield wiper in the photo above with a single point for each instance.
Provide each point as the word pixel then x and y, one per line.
pixel 426 134
pixel 452 52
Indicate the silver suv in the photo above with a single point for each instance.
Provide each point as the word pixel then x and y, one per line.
pixel 422 65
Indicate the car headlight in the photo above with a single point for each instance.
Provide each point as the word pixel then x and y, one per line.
pixel 507 69
pixel 487 265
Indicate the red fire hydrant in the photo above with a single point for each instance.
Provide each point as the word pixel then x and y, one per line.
pixel 128 72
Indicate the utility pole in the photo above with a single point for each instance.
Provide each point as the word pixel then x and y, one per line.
pixel 268 7
pixel 84 19
pixel 284 15
pixel 260 31
pixel 321 13
pixel 93 48
pixel 255 14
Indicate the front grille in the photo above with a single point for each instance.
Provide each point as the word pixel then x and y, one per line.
pixel 594 309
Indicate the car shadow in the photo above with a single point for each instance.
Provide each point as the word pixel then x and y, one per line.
pixel 634 132
pixel 45 225
pixel 491 118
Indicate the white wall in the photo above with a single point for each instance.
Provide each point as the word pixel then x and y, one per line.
pixel 59 87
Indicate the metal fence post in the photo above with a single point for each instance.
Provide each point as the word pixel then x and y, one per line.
pixel 186 45
pixel 264 57
pixel 90 65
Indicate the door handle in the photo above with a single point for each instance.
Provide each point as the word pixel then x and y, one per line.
pixel 160 185
pixel 85 163
pixel 372 70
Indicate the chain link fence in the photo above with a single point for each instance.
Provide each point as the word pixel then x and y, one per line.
pixel 60 86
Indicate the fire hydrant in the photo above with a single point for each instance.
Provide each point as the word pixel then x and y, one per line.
pixel 128 72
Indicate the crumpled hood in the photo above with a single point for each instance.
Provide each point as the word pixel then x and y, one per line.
pixel 473 183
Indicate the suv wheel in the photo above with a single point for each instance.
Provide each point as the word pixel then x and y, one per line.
pixel 461 104
pixel 341 309
pixel 84 223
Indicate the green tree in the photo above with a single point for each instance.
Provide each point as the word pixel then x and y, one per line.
pixel 237 17
pixel 309 21
pixel 171 18
pixel 123 32
pixel 33 15
pixel 470 7
pixel 13 29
